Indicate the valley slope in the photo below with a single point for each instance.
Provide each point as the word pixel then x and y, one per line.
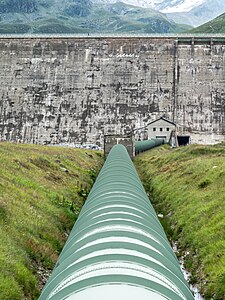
pixel 37 16
pixel 217 25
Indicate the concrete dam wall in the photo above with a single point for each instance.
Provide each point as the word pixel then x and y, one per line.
pixel 71 89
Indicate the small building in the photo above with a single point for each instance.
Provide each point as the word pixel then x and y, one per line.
pixel 161 128
pixel 113 139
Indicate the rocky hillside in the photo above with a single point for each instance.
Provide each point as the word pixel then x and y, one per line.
pixel 18 6
pixel 81 16
pixel 204 12
pixel 193 12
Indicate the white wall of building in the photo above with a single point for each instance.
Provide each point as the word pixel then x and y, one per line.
pixel 160 129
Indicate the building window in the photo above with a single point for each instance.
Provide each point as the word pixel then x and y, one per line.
pixel 167 129
pixel 154 129
pixel 161 129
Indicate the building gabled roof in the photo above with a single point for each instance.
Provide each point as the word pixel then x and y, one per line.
pixel 164 119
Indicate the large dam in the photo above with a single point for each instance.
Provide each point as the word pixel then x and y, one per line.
pixel 57 89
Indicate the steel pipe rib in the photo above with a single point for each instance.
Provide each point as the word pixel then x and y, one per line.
pixel 117 249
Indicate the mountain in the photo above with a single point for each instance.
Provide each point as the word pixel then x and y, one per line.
pixel 217 25
pixel 201 14
pixel 166 6
pixel 23 6
pixel 192 12
pixel 82 16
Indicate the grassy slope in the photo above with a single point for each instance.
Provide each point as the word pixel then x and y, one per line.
pixel 217 25
pixel 118 17
pixel 187 185
pixel 121 17
pixel 41 192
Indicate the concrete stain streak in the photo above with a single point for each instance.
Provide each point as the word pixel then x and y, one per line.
pixel 55 90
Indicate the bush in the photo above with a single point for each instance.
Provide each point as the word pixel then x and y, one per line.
pixel 204 183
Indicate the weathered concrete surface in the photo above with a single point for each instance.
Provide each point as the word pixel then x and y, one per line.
pixel 76 90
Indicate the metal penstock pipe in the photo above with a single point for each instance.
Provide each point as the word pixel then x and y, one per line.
pixel 117 249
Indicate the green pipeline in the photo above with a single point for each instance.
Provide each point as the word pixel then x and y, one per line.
pixel 117 249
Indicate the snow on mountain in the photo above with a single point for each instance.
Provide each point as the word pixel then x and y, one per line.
pixel 192 12
pixel 181 5
pixel 206 11
pixel 165 6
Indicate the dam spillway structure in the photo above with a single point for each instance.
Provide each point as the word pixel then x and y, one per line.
pixel 117 249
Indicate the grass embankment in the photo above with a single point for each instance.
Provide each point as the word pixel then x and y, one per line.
pixel 41 192
pixel 187 186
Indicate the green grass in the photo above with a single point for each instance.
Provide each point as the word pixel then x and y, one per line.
pixel 187 185
pixel 42 190
pixel 65 17
pixel 14 28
